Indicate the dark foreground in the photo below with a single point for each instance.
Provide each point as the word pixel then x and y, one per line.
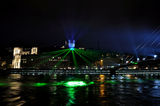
pixel 67 90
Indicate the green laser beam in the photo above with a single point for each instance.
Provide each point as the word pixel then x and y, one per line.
pixel 91 55
pixel 44 55
pixel 74 59
pixel 83 58
pixel 59 62
pixel 84 54
pixel 46 60
pixel 54 52
pixel 89 51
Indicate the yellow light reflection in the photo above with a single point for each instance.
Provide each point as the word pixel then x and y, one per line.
pixel 15 76
pixel 102 90
pixel 101 78
pixel 13 97
pixel 128 75
pixel 13 94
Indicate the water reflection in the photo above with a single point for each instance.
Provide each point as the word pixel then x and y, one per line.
pixel 12 94
pixel 102 90
pixel 15 76
pixel 17 90
pixel 55 76
pixel 86 77
pixel 101 78
pixel 53 89
pixel 71 96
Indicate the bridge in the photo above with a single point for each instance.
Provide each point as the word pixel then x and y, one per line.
pixel 49 72
pixel 84 72
pixel 137 72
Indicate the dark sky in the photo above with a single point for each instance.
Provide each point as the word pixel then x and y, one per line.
pixel 91 21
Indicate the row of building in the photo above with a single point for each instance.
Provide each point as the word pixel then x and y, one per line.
pixel 31 58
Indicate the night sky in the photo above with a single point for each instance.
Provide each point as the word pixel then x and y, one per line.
pixel 120 25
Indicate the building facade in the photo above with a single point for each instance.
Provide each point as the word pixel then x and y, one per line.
pixel 18 53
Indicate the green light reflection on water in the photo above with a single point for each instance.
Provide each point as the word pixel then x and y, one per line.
pixel 71 95
pixel 90 83
pixel 75 83
pixel 112 82
pixel 72 83
pixel 58 83
pixel 39 84
pixel 62 83
pixel 3 84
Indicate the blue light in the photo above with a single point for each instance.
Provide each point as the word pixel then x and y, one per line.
pixel 71 44
pixel 71 48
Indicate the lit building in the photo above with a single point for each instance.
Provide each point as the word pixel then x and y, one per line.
pixel 16 63
pixel 18 52
pixel 108 62
pixel 34 50
pixel 29 58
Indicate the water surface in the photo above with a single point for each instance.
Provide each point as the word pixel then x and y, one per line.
pixel 17 90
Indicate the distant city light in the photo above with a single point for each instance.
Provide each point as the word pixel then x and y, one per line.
pixel 134 62
pixel 155 56
pixel 128 75
pixel 144 59
pixel 138 59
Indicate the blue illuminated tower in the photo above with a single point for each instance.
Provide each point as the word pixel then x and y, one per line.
pixel 71 44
